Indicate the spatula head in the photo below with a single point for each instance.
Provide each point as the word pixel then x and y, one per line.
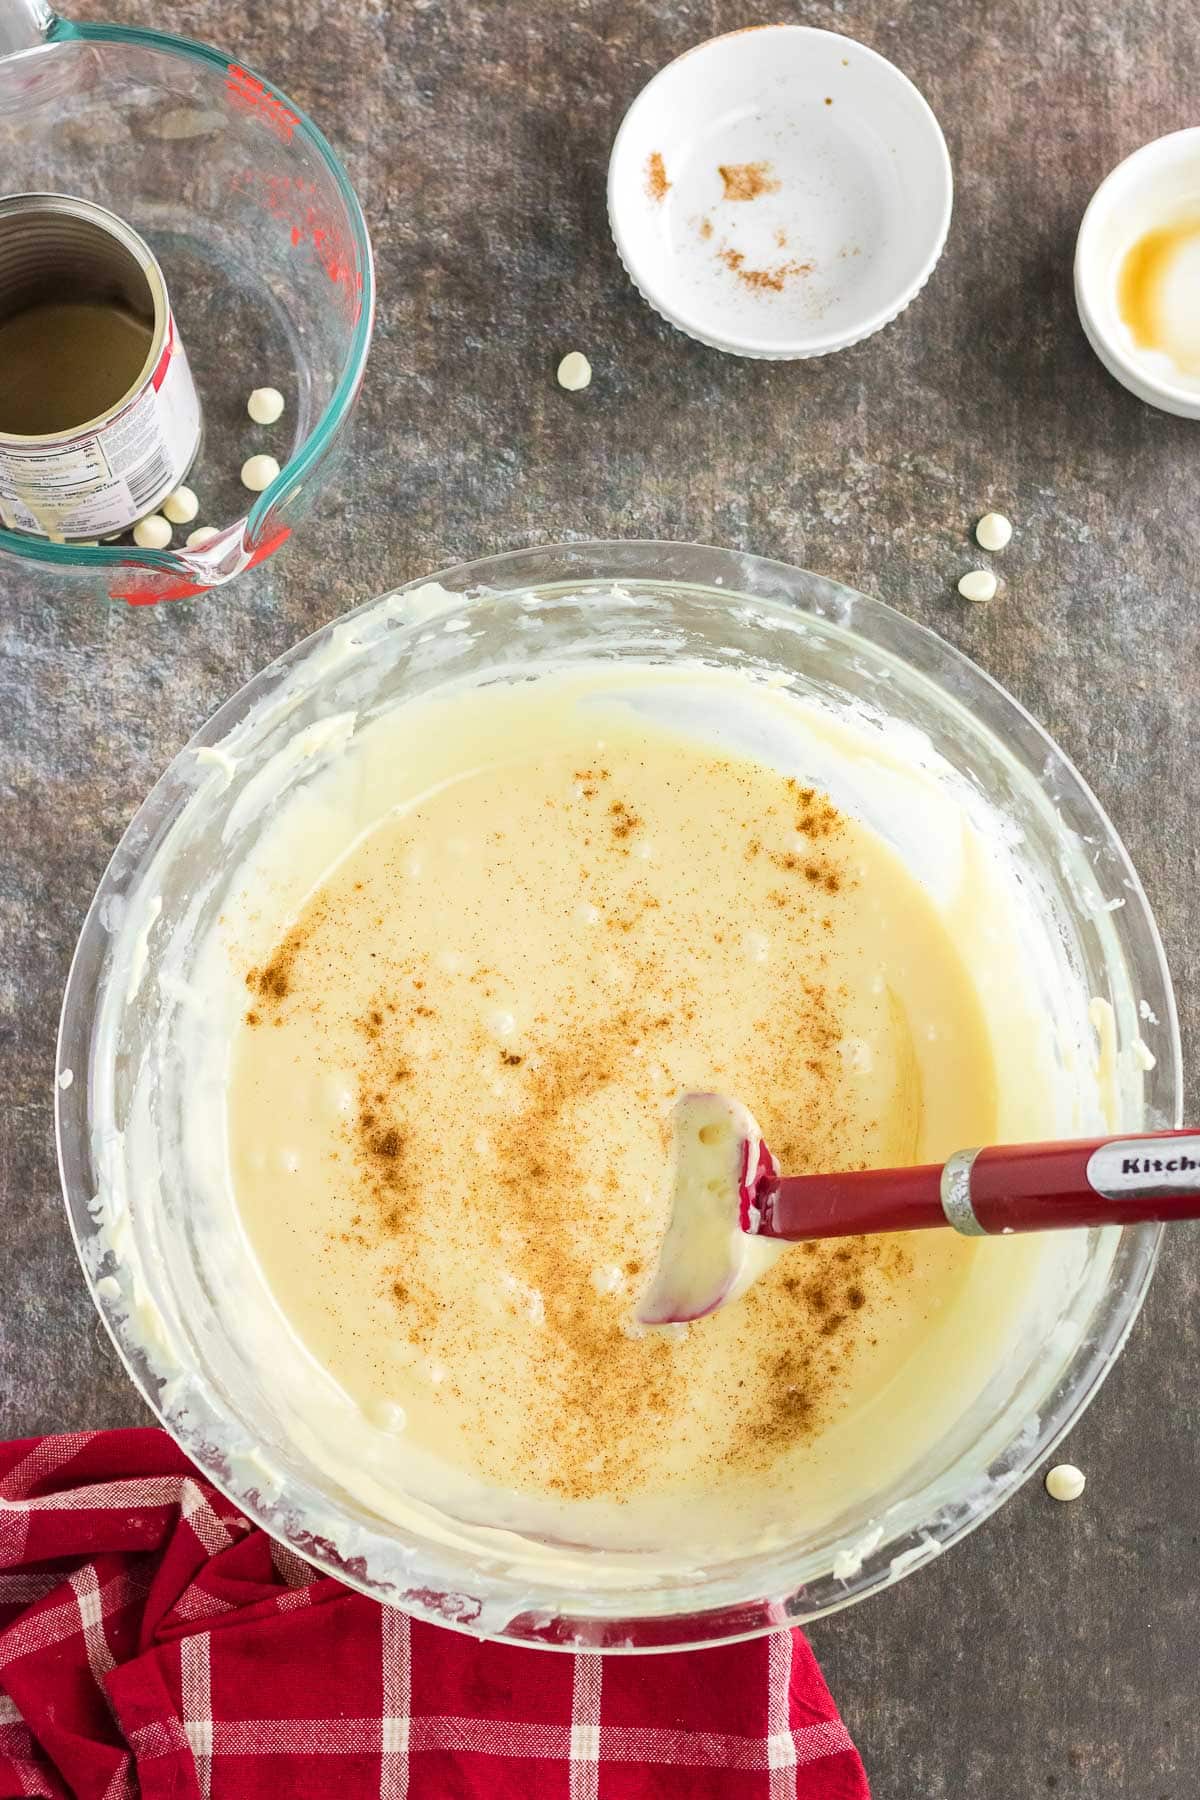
pixel 711 1254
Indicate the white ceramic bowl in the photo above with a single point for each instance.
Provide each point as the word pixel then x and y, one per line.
pixel 780 192
pixel 1150 188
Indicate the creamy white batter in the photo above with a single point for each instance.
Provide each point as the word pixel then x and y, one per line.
pixel 540 920
pixel 419 1217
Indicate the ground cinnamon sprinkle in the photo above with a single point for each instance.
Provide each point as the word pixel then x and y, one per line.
pixel 624 821
pixel 816 815
pixel 273 981
pixel 657 185
pixel 592 1419
pixel 765 280
pixel 746 181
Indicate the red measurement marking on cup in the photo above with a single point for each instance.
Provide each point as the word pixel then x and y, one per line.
pixel 302 209
pixel 270 545
pixel 252 95
pixel 146 587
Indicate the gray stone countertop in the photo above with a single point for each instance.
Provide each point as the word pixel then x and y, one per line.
pixel 1056 1651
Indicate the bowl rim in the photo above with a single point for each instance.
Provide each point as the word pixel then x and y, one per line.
pixel 1133 374
pixel 816 343
pixel 99 558
pixel 598 1627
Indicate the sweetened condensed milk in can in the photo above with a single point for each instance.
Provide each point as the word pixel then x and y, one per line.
pixel 99 417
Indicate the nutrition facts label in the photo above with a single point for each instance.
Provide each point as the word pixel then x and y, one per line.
pixel 102 481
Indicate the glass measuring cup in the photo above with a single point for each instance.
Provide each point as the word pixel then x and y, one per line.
pixel 265 252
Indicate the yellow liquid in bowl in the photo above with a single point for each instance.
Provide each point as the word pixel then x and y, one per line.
pixel 1158 292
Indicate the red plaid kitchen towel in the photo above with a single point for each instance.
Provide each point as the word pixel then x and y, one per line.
pixel 152 1641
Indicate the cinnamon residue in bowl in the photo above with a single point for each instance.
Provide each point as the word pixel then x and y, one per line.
pixel 657 185
pixel 764 280
pixel 746 181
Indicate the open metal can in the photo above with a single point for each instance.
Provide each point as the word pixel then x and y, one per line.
pixel 86 326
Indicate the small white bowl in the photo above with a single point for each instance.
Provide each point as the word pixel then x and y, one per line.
pixel 830 214
pixel 1150 188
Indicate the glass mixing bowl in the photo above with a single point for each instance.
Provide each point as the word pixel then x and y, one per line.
pixel 266 257
pixel 507 617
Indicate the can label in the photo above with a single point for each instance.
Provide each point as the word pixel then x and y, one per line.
pixel 101 481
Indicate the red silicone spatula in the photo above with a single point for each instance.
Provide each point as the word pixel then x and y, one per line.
pixel 729 1193
pixel 989 1193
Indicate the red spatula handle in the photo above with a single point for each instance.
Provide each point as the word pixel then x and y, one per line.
pixel 988 1193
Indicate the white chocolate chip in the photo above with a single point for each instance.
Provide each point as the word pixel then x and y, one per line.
pixel 265 405
pixel 203 534
pixel 152 532
pixel 978 584
pixel 181 507
pixel 1065 1482
pixel 574 371
pixel 993 531
pixel 258 472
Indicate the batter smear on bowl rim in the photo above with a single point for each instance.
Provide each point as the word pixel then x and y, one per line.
pixel 449 1108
